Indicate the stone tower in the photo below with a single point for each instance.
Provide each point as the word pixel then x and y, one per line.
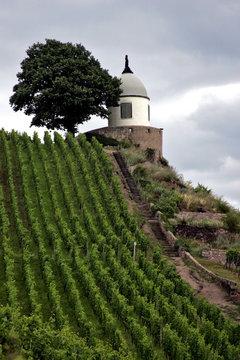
pixel 131 119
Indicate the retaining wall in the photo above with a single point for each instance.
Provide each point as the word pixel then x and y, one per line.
pixel 143 136
pixel 229 285
pixel 214 255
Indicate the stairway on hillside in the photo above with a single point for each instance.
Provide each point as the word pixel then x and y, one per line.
pixel 144 207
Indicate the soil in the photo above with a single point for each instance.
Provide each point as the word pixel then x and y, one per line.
pixel 211 291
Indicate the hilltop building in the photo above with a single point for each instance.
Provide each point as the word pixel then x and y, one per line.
pixel 131 119
pixel 134 108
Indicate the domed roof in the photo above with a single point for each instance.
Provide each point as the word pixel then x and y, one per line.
pixel 130 84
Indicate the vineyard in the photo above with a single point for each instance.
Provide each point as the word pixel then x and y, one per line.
pixel 70 287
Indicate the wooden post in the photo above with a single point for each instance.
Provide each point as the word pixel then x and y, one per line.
pixel 118 251
pixel 160 336
pixel 134 250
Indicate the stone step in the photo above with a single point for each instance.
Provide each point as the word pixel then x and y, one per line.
pixel 143 207
pixel 153 221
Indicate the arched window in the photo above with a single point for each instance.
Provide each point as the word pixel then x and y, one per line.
pixel 126 110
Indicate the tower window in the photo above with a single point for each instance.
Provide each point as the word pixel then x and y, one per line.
pixel 126 110
pixel 148 112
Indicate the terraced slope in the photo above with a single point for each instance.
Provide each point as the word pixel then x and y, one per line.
pixel 70 288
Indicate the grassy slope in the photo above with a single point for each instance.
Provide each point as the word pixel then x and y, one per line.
pixel 55 226
pixel 40 283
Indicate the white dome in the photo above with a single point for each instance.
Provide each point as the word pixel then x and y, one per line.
pixel 133 109
pixel 132 86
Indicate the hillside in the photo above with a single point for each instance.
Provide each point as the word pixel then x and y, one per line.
pixel 71 287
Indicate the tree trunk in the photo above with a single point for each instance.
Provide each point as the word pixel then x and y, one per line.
pixel 71 127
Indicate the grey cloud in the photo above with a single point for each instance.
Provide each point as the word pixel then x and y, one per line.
pixel 203 139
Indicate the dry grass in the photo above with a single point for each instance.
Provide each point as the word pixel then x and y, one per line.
pixel 220 270
pixel 133 156
pixel 227 241
pixel 193 200
pixel 157 173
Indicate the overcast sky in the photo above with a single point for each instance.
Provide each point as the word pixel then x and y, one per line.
pixel 186 52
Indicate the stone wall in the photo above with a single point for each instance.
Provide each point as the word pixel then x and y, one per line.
pixel 229 285
pixel 204 234
pixel 184 215
pixel 144 136
pixel 196 232
pixel 214 255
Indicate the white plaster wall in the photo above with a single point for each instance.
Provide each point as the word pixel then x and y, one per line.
pixel 139 113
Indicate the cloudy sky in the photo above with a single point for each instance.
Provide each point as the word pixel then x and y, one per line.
pixel 186 52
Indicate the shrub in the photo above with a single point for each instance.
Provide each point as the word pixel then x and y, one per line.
pixel 140 172
pixel 102 139
pixel 163 174
pixel 150 153
pixel 133 156
pixel 222 206
pixel 226 241
pixel 192 201
pixel 232 221
pixel 203 223
pixel 202 188
pixel 125 143
pixel 168 203
pixel 163 161
pixel 182 242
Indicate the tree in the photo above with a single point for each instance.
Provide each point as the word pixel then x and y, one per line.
pixel 62 85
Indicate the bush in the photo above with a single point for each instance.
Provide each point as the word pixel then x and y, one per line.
pixel 163 174
pixel 140 172
pixel 182 242
pixel 202 188
pixel 222 206
pixel 192 201
pixel 102 139
pixel 232 221
pixel 168 203
pixel 125 144
pixel 163 161
pixel 150 153
pixel 133 156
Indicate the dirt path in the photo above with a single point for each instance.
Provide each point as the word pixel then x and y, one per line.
pixel 212 292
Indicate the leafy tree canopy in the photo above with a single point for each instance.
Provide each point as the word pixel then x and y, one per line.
pixel 62 85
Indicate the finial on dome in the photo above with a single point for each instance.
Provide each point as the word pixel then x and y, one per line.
pixel 127 68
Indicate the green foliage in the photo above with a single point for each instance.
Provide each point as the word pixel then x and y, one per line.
pixel 233 256
pixel 62 85
pixel 167 203
pixel 76 239
pixel 150 153
pixel 166 174
pixel 232 221
pixel 222 206
pixel 140 172
pixel 125 143
pixel 202 188
pixel 182 242
pixel 35 339
pixel 163 161
pixel 226 241
pixel 133 157
pixel 105 141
